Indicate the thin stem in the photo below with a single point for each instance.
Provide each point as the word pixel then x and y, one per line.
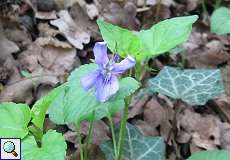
pixel 158 10
pixel 78 128
pixel 89 137
pixel 123 129
pixel 204 7
pixel 113 134
pixel 217 5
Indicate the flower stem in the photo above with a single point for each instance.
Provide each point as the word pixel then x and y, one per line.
pixel 113 134
pixel 78 128
pixel 89 137
pixel 123 129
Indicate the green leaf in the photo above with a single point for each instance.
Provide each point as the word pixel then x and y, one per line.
pixel 119 40
pixel 136 146
pixel 40 108
pixel 165 35
pixel 14 119
pixel 211 155
pixel 74 104
pixel 53 147
pixel 147 43
pixel 220 21
pixel 194 86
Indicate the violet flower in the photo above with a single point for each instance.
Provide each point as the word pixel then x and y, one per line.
pixel 104 80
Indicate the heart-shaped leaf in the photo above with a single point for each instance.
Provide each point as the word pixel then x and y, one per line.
pixel 141 45
pixel 40 108
pixel 211 155
pixel 220 21
pixel 194 86
pixel 136 146
pixel 74 104
pixel 119 40
pixel 14 119
pixel 165 35
pixel 53 147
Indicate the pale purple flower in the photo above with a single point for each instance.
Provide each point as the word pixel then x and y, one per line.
pixel 104 80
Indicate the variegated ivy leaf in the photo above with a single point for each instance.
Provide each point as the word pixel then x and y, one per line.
pixel 193 86
pixel 136 146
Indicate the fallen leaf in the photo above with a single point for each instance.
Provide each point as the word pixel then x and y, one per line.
pixel 100 131
pixel 6 46
pixel 153 113
pixel 137 107
pixel 154 2
pixel 74 34
pixel 209 56
pixel 226 74
pixel 46 15
pixel 146 129
pixel 123 17
pixel 204 130
pixel 225 135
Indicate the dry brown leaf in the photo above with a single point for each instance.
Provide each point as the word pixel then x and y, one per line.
pixel 223 102
pixel 71 136
pixel 225 135
pixel 204 130
pixel 44 41
pixel 81 20
pixel 146 129
pixel 209 56
pixel 137 107
pixel 124 17
pixel 155 14
pixel 100 131
pixel 74 34
pixel 154 2
pixel 159 116
pixel 153 113
pixel 57 60
pixel 46 15
pixel 16 32
pixel 46 31
pixel 202 53
pixel 226 74
pixel 92 11
pixel 6 46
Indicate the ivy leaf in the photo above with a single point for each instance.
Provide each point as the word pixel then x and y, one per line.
pixel 136 146
pixel 119 40
pixel 194 86
pixel 53 147
pixel 211 155
pixel 220 21
pixel 74 104
pixel 14 119
pixel 40 108
pixel 165 35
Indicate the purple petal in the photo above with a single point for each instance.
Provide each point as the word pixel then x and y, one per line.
pixel 100 53
pixel 124 65
pixel 105 90
pixel 89 80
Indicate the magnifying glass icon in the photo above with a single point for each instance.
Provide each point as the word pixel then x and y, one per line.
pixel 9 147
